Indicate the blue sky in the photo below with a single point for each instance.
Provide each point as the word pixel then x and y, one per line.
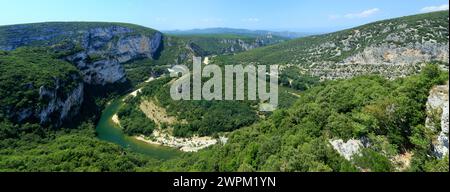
pixel 294 15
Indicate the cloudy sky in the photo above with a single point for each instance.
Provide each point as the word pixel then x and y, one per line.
pixel 294 15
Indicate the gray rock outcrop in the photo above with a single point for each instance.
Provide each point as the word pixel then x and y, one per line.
pixel 347 149
pixel 410 54
pixel 438 108
pixel 57 103
pixel 58 109
pixel 105 49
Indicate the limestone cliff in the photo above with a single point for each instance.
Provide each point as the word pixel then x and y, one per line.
pixel 60 106
pixel 101 58
pixel 96 49
pixel 437 120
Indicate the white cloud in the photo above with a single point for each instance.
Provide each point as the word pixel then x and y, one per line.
pixel 434 8
pixel 251 20
pixel 363 14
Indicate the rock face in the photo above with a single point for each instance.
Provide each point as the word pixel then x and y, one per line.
pixel 59 108
pixel 438 109
pixel 57 104
pixel 105 49
pixel 409 54
pixel 441 147
pixel 347 149
pixel 97 50
pixel 236 45
pixel 389 60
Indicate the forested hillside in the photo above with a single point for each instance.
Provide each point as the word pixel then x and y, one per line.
pixel 392 48
pixel 387 116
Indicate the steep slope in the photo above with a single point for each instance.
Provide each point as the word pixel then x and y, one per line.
pixel 35 87
pixel 437 118
pixel 393 48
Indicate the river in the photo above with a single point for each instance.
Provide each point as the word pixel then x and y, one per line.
pixel 108 131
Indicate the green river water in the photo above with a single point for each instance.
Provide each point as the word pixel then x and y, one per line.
pixel 108 131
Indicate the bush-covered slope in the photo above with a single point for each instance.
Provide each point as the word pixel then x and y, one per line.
pixel 392 48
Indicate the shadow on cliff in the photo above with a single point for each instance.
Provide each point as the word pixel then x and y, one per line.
pixel 159 51
pixel 96 98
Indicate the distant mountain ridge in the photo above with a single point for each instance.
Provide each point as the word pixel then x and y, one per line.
pixel 244 32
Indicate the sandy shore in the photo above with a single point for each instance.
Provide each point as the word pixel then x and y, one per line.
pixel 115 119
pixel 136 92
pixel 132 94
pixel 193 144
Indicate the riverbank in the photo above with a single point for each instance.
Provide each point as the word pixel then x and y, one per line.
pixel 193 144
pixel 108 130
